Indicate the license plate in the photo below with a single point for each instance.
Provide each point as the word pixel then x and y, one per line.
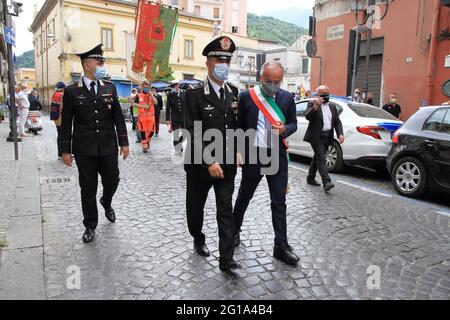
pixel 386 136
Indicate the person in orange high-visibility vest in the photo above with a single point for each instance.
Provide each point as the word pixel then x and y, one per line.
pixel 145 103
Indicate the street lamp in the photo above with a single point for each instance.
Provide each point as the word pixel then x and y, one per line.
pixel 250 64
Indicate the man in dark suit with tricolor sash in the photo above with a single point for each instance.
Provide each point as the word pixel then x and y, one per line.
pixel 271 113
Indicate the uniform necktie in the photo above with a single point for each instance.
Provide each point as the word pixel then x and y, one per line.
pixel 92 91
pixel 222 96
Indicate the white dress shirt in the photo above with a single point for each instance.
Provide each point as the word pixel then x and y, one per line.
pixel 327 117
pixel 217 87
pixel 87 83
pixel 263 132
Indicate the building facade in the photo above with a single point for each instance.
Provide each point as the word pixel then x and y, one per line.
pixel 66 27
pixel 229 15
pixel 26 76
pixel 409 52
pixel 251 54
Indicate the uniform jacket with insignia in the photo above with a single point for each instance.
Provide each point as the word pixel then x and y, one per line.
pixel 175 106
pixel 203 104
pixel 98 122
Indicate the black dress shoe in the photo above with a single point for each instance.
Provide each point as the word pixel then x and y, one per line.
pixel 88 235
pixel 202 250
pixel 284 253
pixel 109 212
pixel 328 186
pixel 313 182
pixel 237 239
pixel 229 265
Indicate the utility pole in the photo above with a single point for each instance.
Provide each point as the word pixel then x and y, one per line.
pixel 12 99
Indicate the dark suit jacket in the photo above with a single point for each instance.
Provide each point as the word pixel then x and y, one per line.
pixel 248 113
pixel 159 105
pixel 315 118
pixel 95 120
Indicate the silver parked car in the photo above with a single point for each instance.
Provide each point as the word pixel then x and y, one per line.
pixel 368 134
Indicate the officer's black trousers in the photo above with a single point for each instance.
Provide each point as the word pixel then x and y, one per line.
pixel 177 136
pixel 196 195
pixel 157 121
pixel 88 170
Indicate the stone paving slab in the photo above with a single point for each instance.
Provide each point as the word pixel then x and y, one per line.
pixel 22 275
pixel 24 232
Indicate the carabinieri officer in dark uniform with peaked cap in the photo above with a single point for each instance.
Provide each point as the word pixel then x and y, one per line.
pixel 211 106
pixel 98 129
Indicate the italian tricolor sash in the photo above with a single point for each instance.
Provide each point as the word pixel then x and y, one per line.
pixel 268 107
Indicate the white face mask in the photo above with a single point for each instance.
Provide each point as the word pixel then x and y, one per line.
pixel 221 71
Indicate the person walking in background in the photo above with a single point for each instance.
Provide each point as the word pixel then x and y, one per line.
pixel 35 104
pixel 307 94
pixel 56 110
pixel 323 120
pixel 24 107
pixel 145 103
pixel 357 96
pixel 175 110
pixel 134 113
pixel 370 98
pixel 158 108
pixel 393 107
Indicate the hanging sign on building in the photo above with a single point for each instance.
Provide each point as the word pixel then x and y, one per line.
pixel 447 61
pixel 335 32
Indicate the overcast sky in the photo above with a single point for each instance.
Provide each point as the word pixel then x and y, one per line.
pixel 24 39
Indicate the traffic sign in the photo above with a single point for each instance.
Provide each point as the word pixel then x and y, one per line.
pixel 10 36
pixel 311 48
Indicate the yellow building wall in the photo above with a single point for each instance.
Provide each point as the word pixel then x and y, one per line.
pixel 78 26
pixel 201 33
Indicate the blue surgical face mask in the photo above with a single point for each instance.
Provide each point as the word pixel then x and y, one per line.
pixel 221 71
pixel 145 90
pixel 100 72
pixel 270 88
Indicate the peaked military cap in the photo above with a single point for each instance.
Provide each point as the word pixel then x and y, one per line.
pixel 222 47
pixel 95 53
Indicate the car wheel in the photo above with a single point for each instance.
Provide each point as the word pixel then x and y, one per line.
pixel 409 177
pixel 334 159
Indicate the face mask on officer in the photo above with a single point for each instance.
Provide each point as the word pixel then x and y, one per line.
pixel 100 72
pixel 393 101
pixel 221 71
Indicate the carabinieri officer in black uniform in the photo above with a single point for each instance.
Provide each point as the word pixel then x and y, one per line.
pixel 98 129
pixel 210 105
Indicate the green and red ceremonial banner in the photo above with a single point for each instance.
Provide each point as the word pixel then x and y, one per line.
pixel 154 30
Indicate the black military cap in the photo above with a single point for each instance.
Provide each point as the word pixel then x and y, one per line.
pixel 95 53
pixel 222 47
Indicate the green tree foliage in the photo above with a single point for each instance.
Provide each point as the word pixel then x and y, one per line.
pixel 268 28
pixel 26 60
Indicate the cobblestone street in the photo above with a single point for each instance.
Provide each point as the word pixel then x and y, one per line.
pixel 148 253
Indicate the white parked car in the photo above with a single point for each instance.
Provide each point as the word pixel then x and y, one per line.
pixel 368 132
